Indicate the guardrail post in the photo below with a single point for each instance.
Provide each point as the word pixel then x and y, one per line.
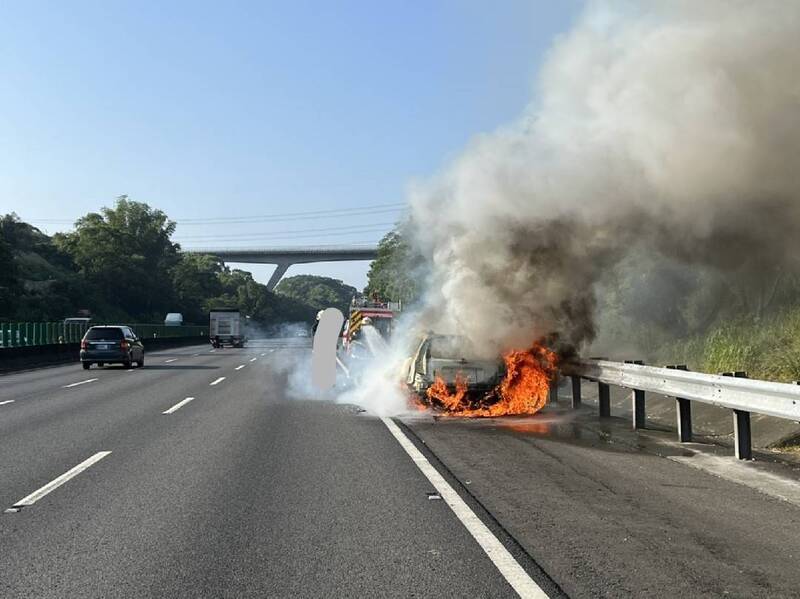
pixel 576 392
pixel 742 437
pixel 637 403
pixel 603 394
pixel 604 399
pixel 684 412
pixel 553 394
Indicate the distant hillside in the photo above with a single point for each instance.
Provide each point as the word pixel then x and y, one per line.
pixel 317 292
pixel 39 280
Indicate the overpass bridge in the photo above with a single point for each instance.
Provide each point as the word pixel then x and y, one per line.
pixel 284 257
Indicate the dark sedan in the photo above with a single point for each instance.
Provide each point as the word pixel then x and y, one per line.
pixel 111 345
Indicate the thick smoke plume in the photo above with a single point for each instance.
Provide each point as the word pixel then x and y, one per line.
pixel 668 126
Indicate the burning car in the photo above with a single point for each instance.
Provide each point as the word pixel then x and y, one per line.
pixel 440 377
pixel 441 357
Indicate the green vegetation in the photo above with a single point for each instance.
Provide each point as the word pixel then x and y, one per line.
pixel 126 256
pixel 767 348
pixel 317 292
pixel 395 275
pixel 121 265
pixel 34 273
pixel 713 321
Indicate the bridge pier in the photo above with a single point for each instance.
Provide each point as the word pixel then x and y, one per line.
pixel 280 270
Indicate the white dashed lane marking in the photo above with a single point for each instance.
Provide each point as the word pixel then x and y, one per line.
pixel 240 366
pixel 2 403
pixel 80 383
pixel 178 405
pixel 55 483
pixel 217 382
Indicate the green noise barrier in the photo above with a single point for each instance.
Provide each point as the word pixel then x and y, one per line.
pixel 26 334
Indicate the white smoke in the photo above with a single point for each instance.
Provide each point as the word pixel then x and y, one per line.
pixel 376 376
pixel 673 123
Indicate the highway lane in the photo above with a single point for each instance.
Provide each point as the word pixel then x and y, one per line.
pixel 239 492
pixel 30 383
pixel 607 518
pixel 244 491
pixel 51 427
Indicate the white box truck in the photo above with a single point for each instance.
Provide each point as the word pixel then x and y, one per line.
pixel 227 328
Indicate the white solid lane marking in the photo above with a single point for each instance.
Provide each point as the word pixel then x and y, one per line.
pixel 80 383
pixel 253 359
pixel 240 366
pixel 217 382
pixel 178 405
pixel 516 576
pixel 170 360
pixel 2 403
pixel 54 484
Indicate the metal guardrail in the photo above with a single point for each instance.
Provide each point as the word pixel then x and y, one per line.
pixel 728 390
pixel 27 334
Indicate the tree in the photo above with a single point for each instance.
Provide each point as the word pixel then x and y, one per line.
pixel 317 292
pixel 127 254
pixel 395 274
pixel 9 281
pixel 196 279
pixel 37 280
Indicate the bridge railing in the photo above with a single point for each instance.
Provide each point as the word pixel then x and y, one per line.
pixel 26 334
pixel 731 390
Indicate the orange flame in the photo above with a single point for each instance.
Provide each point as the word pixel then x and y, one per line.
pixel 523 390
pixel 438 392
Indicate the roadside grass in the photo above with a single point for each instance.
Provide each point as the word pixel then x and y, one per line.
pixel 767 349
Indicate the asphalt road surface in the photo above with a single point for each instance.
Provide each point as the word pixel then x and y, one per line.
pixel 247 491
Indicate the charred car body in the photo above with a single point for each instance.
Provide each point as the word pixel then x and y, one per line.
pixel 442 357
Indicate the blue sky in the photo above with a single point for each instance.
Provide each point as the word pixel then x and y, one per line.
pixel 255 108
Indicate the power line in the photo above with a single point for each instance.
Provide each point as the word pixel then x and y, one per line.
pixel 343 230
pixel 374 208
pixel 291 236
pixel 288 216
pixel 354 244
pixel 275 219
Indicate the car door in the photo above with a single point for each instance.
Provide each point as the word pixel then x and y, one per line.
pixel 135 344
pixel 416 366
pixel 139 344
